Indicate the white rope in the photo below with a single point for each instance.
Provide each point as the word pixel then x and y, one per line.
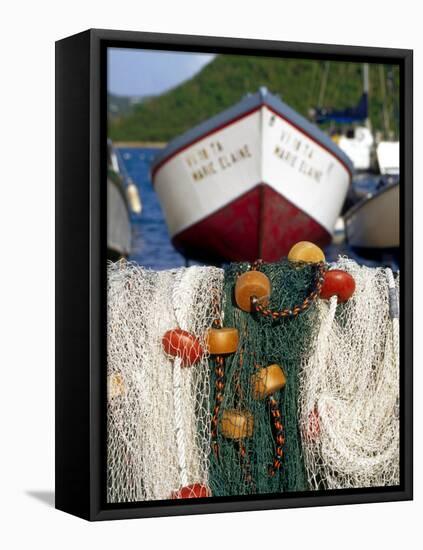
pixel 184 290
pixel 394 310
pixel 180 435
pixel 326 325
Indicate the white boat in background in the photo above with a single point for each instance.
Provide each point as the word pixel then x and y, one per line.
pixel 373 223
pixel 358 145
pixel 388 157
pixel 251 182
pixel 118 217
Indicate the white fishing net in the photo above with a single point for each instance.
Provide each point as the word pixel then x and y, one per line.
pixel 349 392
pixel 158 407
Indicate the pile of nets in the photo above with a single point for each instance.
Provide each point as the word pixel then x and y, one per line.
pixel 337 412
pixel 349 396
pixel 151 400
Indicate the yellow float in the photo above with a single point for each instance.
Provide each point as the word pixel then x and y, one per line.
pixel 267 381
pixel 236 424
pixel 220 341
pixel 305 251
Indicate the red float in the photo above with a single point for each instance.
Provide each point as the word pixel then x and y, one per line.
pixel 182 344
pixel 312 431
pixel 196 490
pixel 337 283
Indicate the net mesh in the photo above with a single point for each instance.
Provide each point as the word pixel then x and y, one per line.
pixel 349 395
pixel 244 466
pixel 184 424
pixel 158 408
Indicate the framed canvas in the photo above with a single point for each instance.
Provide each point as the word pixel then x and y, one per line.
pixel 233 225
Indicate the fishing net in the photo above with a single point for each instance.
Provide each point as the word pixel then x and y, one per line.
pixel 349 395
pixel 158 409
pixel 183 423
pixel 245 466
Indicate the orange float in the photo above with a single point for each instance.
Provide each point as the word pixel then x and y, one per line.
pixel 220 341
pixel 252 284
pixel 236 424
pixel 267 381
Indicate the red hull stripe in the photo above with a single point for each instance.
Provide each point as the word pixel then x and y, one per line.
pixel 236 119
pixel 258 224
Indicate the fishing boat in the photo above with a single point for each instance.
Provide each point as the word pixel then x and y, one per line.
pixel 251 182
pixel 373 223
pixel 118 214
pixel 358 144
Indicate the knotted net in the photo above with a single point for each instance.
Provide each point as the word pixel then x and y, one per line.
pixel 349 395
pixel 158 410
pixel 245 466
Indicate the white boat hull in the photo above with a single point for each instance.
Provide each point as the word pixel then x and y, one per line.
pixel 374 222
pixel 118 226
pixel 221 169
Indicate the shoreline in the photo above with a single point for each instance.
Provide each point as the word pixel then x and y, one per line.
pixel 138 144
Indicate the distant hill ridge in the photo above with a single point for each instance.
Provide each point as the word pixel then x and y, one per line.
pixel 227 79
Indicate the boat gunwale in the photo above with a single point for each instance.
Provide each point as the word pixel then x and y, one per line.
pixel 244 108
pixel 365 200
pixel 117 181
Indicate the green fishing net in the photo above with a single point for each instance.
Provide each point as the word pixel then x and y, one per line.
pixel 242 467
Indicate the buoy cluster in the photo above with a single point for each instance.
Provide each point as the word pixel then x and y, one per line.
pixel 252 294
pixel 253 288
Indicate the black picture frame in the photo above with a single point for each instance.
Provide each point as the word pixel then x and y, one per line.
pixel 81 131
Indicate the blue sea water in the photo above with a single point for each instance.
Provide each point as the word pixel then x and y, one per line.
pixel 152 247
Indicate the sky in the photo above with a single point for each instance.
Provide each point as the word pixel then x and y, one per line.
pixel 147 72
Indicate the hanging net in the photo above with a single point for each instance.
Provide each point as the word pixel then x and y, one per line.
pixel 245 466
pixel 158 410
pixel 349 396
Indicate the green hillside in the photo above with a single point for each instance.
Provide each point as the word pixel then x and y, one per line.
pixel 223 82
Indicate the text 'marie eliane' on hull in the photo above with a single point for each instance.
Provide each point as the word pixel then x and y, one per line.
pixel 250 182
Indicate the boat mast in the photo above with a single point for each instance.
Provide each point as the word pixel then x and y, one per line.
pixel 323 85
pixel 384 102
pixel 366 92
